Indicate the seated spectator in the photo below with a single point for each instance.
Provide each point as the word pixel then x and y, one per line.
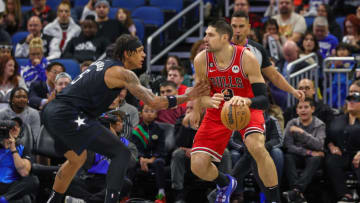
pixel 62 29
pixel 177 74
pixel 89 9
pixel 61 81
pixel 352 31
pixel 327 41
pixel 131 113
pixel 90 184
pixel 272 9
pixel 304 145
pixel 34 70
pixel 40 9
pixel 13 16
pixel 309 44
pixel 309 9
pixel 110 29
pixel 272 40
pixel 322 111
pixel 5 49
pixel 124 16
pixel 150 141
pixel 4 35
pixel 343 146
pixel 245 163
pixel 244 5
pixel 291 53
pixel 15 165
pixel 340 79
pixel 168 88
pixel 84 65
pixel 18 107
pixel 42 92
pixel 291 24
pixel 34 27
pixel 9 78
pixel 88 46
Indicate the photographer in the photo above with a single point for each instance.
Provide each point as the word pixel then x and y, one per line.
pixel 15 164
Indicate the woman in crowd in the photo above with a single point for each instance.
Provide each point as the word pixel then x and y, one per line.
pixel 18 107
pixel 309 45
pixel 9 78
pixel 272 33
pixel 34 70
pixel 352 31
pixel 343 145
pixel 124 16
pixel 12 16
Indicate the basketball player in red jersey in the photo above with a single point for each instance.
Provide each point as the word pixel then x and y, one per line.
pixel 235 71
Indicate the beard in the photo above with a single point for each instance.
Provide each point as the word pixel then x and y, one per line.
pixel 284 11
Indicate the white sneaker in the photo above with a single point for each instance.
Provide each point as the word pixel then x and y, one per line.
pixel 69 199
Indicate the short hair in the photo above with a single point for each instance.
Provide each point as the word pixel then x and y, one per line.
pixel 240 14
pixel 271 21
pixel 307 99
pixel 13 91
pixel 51 65
pixel 6 45
pixel 168 83
pixel 321 21
pixel 222 27
pixel 346 46
pixel 124 43
pixel 178 68
pixel 65 2
pixel 118 113
pixel 62 75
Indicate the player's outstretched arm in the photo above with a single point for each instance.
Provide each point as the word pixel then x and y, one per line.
pixel 132 83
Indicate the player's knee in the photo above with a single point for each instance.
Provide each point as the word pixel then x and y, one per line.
pixel 257 150
pixel 77 160
pixel 198 164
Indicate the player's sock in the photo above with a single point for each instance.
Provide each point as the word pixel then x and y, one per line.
pixel 222 180
pixel 272 194
pixel 55 197
pixel 112 196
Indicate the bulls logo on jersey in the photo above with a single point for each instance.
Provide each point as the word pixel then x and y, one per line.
pixel 228 93
pixel 211 65
pixel 235 69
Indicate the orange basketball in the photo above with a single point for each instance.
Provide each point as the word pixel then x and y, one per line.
pixel 235 117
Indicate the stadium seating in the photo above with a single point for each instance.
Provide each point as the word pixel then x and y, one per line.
pixel 176 5
pixel 128 4
pixel 140 29
pixel 150 15
pixel 17 37
pixel 72 67
pixel 53 4
pixel 112 13
pixel 309 21
pixel 80 2
pixel 340 21
pixel 25 9
pixel 22 61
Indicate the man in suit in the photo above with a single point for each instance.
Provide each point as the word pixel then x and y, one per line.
pixel 43 92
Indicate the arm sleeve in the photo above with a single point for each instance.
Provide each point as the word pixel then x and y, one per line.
pixel 260 99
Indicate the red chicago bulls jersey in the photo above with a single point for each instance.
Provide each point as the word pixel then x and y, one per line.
pixel 231 80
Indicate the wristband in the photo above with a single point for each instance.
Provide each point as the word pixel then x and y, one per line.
pixel 172 101
pixel 13 152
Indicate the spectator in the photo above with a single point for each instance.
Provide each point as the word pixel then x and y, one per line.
pixel 124 16
pixel 108 28
pixel 88 46
pixel 84 65
pixel 9 78
pixel 309 44
pixel 291 53
pixel 61 81
pixel 40 9
pixel 340 79
pixel 243 5
pixel 16 182
pixel 13 16
pixel 132 114
pixel 292 25
pixel 343 145
pixel 272 40
pixel 42 92
pixel 272 9
pixel 34 28
pixel 5 49
pixel 176 74
pixel 352 31
pixel 18 107
pixel 327 41
pixel 4 35
pixel 309 9
pixel 62 29
pixel 322 111
pixel 34 70
pixel 324 10
pixel 168 88
pixel 304 144
pixel 150 141
pixel 89 9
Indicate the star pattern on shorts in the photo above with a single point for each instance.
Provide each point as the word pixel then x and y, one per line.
pixel 80 121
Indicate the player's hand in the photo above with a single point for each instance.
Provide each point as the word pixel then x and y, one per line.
pixel 239 101
pixel 356 160
pixel 299 94
pixel 214 101
pixel 201 88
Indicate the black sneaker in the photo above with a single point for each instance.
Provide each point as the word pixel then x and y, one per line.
pixel 346 200
pixel 294 196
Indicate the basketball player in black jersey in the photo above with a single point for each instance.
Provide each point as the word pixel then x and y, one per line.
pixel 71 117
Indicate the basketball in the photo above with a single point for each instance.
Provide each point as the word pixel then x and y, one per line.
pixel 235 117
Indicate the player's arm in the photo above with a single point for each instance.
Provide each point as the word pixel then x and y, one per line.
pixel 252 70
pixel 130 81
pixel 279 81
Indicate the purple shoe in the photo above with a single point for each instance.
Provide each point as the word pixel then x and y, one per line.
pixel 223 194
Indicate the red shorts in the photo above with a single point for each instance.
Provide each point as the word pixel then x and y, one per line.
pixel 212 137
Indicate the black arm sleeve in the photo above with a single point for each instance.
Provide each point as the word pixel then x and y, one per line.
pixel 260 99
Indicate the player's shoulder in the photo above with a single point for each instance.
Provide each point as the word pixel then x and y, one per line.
pixel 201 56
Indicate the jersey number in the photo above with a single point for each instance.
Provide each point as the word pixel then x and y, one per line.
pixel 80 76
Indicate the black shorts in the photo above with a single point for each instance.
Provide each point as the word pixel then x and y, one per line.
pixel 71 128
